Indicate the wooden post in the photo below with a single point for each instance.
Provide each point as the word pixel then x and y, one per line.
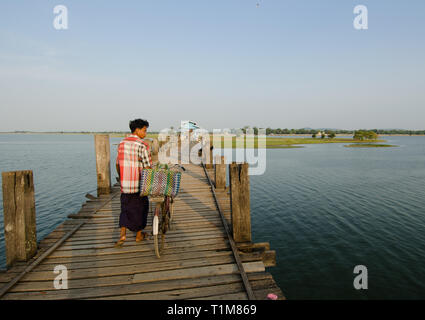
pixel 209 162
pixel 155 146
pixel 240 202
pixel 19 216
pixel 103 163
pixel 220 172
pixel 154 150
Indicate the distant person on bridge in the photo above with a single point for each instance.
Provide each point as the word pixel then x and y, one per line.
pixel 133 156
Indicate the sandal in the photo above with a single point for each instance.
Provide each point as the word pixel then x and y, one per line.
pixel 144 236
pixel 120 242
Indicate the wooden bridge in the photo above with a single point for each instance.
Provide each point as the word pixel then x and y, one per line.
pixel 198 261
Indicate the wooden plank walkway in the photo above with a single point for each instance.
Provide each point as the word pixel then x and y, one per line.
pixel 197 263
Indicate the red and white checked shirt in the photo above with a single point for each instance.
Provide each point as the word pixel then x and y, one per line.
pixel 133 156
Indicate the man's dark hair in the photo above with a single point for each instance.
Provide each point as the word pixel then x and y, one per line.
pixel 138 123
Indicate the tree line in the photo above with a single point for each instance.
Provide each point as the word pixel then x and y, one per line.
pixel 285 131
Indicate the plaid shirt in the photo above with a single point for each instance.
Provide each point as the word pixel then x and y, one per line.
pixel 133 156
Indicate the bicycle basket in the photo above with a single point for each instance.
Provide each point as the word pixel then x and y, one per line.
pixel 159 182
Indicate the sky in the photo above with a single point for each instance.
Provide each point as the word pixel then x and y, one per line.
pixel 221 63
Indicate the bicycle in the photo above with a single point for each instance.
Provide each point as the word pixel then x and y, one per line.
pixel 162 219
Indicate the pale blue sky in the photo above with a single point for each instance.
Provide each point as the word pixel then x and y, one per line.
pixel 223 63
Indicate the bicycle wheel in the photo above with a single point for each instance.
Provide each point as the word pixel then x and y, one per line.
pixel 164 225
pixel 155 230
pixel 156 244
pixel 161 225
pixel 170 214
pixel 162 243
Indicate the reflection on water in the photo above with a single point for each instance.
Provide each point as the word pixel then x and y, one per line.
pixel 323 208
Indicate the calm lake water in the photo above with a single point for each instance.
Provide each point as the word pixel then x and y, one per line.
pixel 323 208
pixel 64 168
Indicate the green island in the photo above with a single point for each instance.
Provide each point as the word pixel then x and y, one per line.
pixel 286 143
pixel 369 145
pixel 360 137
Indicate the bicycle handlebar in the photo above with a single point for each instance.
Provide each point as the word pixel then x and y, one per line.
pixel 179 166
pixel 169 165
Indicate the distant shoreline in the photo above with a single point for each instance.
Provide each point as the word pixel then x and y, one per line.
pixel 119 134
pixel 272 141
pixel 59 132
pixel 341 135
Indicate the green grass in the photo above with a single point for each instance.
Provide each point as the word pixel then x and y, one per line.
pixel 282 146
pixel 282 143
pixel 369 145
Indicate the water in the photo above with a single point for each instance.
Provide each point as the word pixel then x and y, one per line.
pixel 326 208
pixel 64 169
pixel 323 208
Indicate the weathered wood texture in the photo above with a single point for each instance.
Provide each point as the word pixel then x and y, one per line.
pixel 220 172
pixel 103 163
pixel 19 216
pixel 208 159
pixel 211 157
pixel 197 262
pixel 240 202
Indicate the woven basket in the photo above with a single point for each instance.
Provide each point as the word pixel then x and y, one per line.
pixel 159 182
